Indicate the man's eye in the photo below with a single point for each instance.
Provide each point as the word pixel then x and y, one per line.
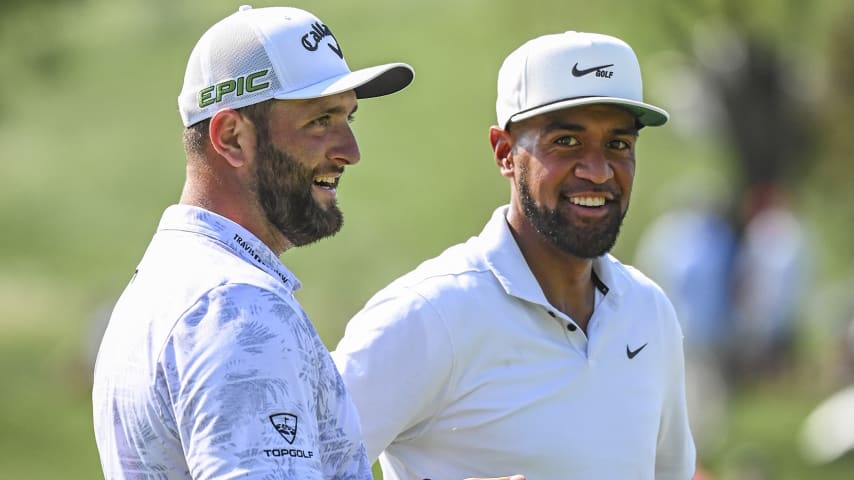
pixel 620 145
pixel 321 122
pixel 567 140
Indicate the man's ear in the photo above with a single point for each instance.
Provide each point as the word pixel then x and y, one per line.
pixel 502 148
pixel 230 135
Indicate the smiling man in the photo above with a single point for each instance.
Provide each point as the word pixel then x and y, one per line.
pixel 530 348
pixel 209 367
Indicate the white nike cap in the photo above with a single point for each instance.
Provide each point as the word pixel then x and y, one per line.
pixel 564 70
pixel 285 53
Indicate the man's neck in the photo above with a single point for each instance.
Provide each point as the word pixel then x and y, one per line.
pixel 566 280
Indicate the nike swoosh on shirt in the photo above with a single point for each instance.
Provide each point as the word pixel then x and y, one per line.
pixel 580 73
pixel 631 353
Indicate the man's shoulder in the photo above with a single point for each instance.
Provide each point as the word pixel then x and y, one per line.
pixel 456 266
pixel 628 276
pixel 641 293
pixel 197 260
pixel 182 274
pixel 446 282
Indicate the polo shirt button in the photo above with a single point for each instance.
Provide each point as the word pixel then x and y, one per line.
pixel 571 327
pixel 552 313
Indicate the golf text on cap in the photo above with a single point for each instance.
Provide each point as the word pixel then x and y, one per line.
pixel 245 83
pixel 599 71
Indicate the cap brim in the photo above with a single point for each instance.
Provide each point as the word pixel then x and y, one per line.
pixel 647 115
pixel 367 82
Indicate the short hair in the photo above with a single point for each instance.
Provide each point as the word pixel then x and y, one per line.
pixel 196 135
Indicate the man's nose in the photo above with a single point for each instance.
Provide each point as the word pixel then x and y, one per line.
pixel 595 167
pixel 346 150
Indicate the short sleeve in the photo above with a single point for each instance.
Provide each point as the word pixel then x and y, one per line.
pixel 396 359
pixel 240 377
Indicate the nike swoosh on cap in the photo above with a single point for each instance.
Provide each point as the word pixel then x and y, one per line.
pixel 580 73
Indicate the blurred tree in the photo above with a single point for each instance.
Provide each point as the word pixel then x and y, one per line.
pixel 753 65
pixel 752 62
pixel 752 82
pixel 834 175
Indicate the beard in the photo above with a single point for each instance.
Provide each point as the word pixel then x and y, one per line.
pixel 283 186
pixel 580 238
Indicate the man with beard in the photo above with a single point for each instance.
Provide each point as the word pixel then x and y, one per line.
pixel 209 367
pixel 530 348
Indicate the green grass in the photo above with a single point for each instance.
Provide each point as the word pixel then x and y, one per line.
pixel 763 434
pixel 90 138
pixel 46 423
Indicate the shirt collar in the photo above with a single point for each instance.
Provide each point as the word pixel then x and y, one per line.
pixel 505 260
pixel 233 236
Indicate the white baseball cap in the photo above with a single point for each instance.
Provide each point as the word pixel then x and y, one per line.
pixel 563 70
pixel 277 52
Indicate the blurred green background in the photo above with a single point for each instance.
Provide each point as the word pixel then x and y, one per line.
pixel 91 155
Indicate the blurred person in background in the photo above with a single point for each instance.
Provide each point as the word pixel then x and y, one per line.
pixel 733 254
pixel 747 81
pixel 769 284
pixel 530 348
pixel 209 367
pixel 736 274
pixel 689 251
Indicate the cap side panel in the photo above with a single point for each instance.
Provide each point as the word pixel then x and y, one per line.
pixel 276 52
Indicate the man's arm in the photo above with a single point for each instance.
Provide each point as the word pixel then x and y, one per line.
pixel 239 356
pixel 396 359
pixel 675 454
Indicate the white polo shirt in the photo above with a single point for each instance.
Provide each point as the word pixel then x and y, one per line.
pixel 462 368
pixel 209 367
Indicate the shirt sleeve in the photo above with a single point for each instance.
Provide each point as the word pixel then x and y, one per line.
pixel 238 359
pixel 675 454
pixel 396 359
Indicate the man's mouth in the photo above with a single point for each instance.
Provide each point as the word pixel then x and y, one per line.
pixel 588 201
pixel 327 182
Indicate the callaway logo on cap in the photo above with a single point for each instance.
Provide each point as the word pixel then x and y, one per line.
pixel 285 53
pixel 568 69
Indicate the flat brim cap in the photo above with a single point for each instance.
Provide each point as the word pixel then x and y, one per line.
pixel 565 70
